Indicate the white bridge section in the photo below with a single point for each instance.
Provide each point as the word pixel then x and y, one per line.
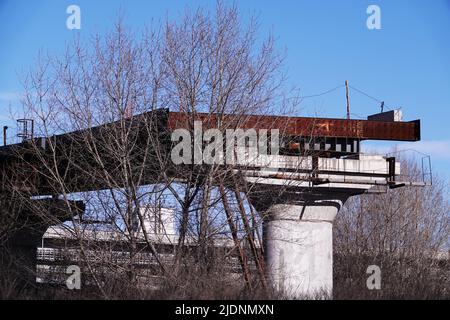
pixel 299 201
pixel 308 171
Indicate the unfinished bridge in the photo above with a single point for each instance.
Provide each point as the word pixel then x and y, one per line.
pixel 300 189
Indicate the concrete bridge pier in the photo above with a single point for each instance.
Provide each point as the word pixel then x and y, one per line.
pixel 298 241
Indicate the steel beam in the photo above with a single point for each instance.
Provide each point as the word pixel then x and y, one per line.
pixel 303 126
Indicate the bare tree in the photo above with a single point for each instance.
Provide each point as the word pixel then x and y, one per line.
pixel 99 139
pixel 403 231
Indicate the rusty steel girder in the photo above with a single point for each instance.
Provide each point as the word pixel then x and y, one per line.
pixel 303 126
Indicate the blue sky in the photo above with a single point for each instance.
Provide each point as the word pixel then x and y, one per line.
pixel 406 63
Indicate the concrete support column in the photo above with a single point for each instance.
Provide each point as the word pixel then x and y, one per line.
pixel 298 239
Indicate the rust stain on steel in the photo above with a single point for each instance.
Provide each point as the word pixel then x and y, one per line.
pixel 303 126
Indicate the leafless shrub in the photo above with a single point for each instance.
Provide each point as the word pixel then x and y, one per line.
pixel 403 231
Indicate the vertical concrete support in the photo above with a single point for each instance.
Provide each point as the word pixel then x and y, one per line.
pixel 298 240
